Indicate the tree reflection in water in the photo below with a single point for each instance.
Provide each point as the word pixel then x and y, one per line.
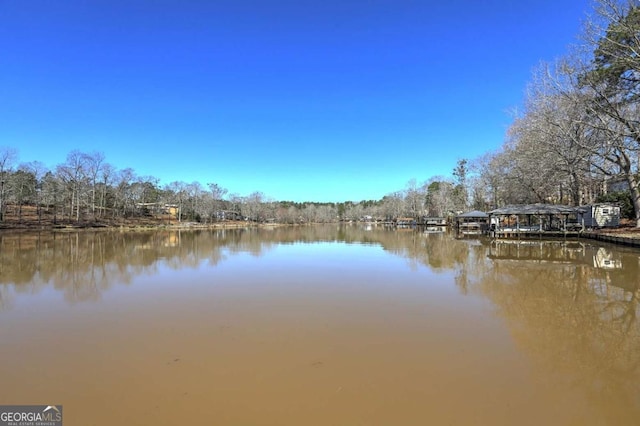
pixel 83 264
pixel 575 315
pixel 571 307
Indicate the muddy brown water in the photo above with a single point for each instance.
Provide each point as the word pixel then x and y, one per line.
pixel 324 325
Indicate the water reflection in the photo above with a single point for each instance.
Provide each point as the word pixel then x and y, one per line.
pixel 83 264
pixel 573 307
pixel 570 307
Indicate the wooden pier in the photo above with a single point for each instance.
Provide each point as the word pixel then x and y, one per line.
pixel 533 233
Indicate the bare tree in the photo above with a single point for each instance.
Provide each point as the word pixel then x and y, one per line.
pixel 124 198
pixel 253 205
pixel 52 194
pixel 393 205
pixel 23 185
pixel 326 213
pixel 7 157
pixel 73 174
pixel 38 170
pixel 94 163
pixel 106 174
pixel 440 197
pixel 611 83
pixel 217 194
pixel 178 193
pixel 414 199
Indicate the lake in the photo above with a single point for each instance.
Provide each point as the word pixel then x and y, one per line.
pixel 319 325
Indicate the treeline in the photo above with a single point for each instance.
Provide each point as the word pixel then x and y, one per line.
pixel 578 135
pixel 88 188
pixel 576 141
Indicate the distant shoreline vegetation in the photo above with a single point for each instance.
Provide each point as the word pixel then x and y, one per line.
pixel 87 191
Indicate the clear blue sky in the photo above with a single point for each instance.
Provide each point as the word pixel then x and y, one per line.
pixel 303 100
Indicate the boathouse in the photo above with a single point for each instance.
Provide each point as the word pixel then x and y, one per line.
pixel 405 221
pixel 474 222
pixel 434 221
pixel 536 220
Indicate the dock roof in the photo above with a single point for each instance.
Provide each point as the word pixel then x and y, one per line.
pixel 475 213
pixel 538 208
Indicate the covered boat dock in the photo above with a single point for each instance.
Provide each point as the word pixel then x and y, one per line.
pixel 536 220
pixel 474 222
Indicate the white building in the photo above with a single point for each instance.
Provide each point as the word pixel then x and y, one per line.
pixel 601 215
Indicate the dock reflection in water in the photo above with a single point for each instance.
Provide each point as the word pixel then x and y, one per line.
pixel 319 325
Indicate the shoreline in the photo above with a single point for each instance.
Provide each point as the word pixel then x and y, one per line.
pixel 625 239
pixel 93 226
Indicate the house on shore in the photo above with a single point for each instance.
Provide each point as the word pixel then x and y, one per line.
pixel 159 208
